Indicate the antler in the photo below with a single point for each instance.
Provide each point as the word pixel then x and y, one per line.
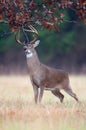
pixel 31 29
pixel 17 39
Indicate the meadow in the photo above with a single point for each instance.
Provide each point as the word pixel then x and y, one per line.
pixel 19 112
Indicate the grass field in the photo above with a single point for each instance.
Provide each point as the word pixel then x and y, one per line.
pixel 18 111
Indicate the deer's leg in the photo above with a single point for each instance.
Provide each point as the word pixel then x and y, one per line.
pixel 70 92
pixel 58 94
pixel 35 88
pixel 41 94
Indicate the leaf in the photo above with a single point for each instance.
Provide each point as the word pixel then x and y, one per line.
pixel 50 12
pixel 32 4
pixel 50 25
pixel 15 28
pixel 48 1
pixel 83 1
pixel 84 21
pixel 61 15
pixel 47 24
pixel 1 16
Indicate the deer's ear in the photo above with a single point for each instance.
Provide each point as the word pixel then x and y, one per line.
pixel 36 43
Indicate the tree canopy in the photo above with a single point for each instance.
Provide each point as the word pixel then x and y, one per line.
pixel 45 13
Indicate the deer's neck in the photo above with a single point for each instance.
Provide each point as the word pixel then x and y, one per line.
pixel 33 64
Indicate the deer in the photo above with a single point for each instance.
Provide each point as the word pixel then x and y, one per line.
pixel 42 76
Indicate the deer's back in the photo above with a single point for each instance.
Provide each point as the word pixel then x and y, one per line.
pixel 56 76
pixel 50 77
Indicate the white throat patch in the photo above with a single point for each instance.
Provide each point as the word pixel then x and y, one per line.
pixel 29 54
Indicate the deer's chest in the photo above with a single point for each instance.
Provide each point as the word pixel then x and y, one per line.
pixel 37 78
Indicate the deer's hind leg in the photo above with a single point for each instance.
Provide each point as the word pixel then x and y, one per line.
pixel 71 93
pixel 58 94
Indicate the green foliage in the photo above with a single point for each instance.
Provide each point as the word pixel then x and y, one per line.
pixel 52 42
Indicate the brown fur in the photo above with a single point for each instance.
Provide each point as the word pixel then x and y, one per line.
pixel 46 78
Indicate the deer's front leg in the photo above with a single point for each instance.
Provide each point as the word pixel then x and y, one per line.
pixel 41 93
pixel 35 89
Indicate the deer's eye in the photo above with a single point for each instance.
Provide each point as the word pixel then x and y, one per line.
pixel 25 48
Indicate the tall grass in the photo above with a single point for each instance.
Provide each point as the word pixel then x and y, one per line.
pixel 18 111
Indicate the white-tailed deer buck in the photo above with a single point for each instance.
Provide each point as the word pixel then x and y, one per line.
pixel 43 77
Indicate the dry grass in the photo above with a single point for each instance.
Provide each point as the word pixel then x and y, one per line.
pixel 18 111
